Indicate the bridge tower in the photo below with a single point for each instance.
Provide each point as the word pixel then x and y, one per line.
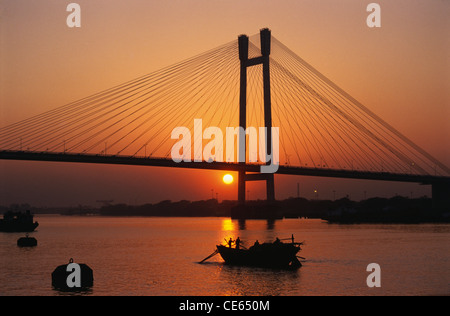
pixel 265 36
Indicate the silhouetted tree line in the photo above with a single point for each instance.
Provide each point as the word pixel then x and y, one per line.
pixel 394 210
pixel 168 208
pixel 375 210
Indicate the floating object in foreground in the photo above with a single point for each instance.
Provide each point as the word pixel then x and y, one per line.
pixel 72 277
pixel 276 255
pixel 27 241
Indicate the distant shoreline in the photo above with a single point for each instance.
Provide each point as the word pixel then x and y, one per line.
pixel 396 210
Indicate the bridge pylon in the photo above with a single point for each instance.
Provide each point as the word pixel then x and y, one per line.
pixel 265 36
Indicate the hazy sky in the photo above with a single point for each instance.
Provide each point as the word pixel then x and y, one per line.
pixel 401 71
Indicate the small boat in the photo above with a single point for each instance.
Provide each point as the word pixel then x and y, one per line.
pixel 27 241
pixel 276 255
pixel 17 222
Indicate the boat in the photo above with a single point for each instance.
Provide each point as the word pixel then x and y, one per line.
pixel 274 255
pixel 17 222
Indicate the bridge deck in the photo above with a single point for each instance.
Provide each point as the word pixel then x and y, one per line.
pixel 165 162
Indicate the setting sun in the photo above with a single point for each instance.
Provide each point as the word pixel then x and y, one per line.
pixel 228 179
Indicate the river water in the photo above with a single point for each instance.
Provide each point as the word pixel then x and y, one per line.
pixel 159 256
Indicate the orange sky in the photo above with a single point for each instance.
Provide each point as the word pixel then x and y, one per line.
pixel 399 71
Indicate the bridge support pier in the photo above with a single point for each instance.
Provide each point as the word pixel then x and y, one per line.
pixel 440 192
pixel 243 41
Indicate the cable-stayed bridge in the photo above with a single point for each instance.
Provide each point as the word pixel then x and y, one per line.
pixel 255 81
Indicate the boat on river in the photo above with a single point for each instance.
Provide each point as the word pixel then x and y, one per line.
pixel 17 222
pixel 275 255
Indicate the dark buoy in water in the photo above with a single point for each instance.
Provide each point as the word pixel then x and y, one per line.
pixel 72 277
pixel 27 241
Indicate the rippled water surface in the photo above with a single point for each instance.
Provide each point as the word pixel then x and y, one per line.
pixel 159 256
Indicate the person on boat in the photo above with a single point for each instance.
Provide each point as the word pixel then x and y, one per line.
pixel 238 241
pixel 230 242
pixel 277 241
pixel 255 245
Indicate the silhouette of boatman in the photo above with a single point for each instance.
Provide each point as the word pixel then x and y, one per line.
pixel 255 245
pixel 230 242
pixel 238 241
